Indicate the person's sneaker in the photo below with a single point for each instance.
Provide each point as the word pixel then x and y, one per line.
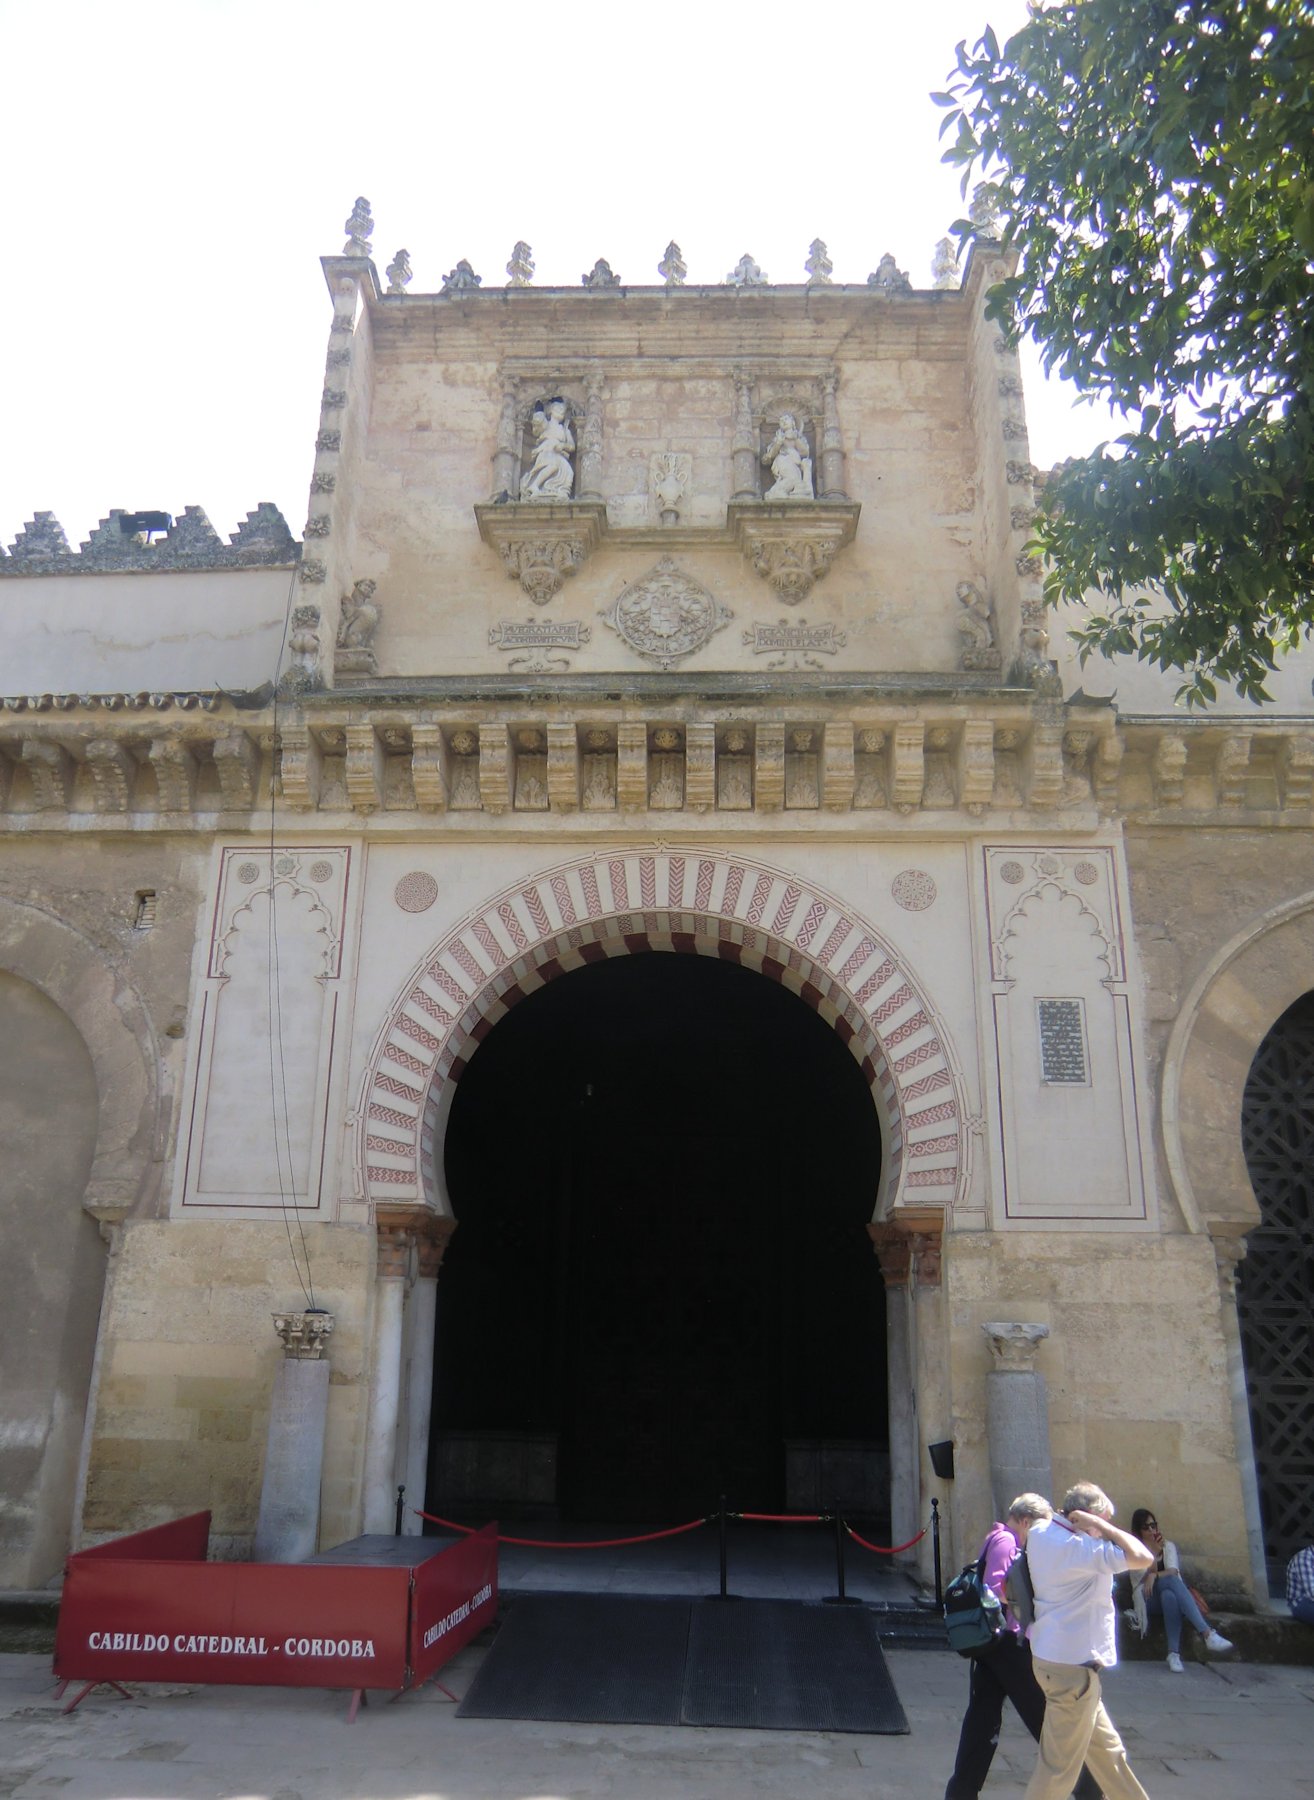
pixel 1175 1663
pixel 1215 1641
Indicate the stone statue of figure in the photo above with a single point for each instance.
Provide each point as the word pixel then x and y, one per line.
pixel 976 626
pixel 550 475
pixel 358 617
pixel 789 460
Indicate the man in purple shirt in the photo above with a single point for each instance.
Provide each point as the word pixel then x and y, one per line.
pixel 1073 1558
pixel 1002 1672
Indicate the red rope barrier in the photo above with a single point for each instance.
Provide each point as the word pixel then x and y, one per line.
pixel 646 1537
pixel 784 1518
pixel 887 1549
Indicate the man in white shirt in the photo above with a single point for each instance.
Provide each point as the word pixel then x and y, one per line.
pixel 1072 1558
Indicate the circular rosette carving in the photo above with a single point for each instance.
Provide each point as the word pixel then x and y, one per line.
pixel 665 616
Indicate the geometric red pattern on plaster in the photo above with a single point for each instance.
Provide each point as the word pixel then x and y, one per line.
pixel 556 921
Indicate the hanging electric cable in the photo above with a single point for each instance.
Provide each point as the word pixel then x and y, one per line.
pixel 280 1115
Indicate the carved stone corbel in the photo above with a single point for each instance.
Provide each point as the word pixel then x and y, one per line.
pixel 51 769
pixel 237 762
pixel 792 544
pixel 175 773
pixel 542 544
pixel 112 772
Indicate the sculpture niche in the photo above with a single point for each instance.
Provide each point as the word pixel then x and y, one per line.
pixel 789 458
pixel 540 529
pixel 551 474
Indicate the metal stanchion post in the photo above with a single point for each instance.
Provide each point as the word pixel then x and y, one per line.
pixel 724 1551
pixel 401 1511
pixel 935 1548
pixel 839 1597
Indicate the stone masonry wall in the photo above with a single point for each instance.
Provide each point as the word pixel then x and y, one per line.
pixel 1136 1371
pixel 189 1358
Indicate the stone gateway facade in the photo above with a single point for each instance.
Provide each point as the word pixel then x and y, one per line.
pixel 634 918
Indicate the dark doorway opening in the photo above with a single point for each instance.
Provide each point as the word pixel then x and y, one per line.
pixel 661 1288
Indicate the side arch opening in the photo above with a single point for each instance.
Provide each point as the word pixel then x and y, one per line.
pixel 1276 1279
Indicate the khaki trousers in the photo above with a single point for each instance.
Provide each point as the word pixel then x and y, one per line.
pixel 1077 1729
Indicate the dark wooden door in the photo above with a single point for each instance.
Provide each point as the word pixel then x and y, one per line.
pixel 673 1242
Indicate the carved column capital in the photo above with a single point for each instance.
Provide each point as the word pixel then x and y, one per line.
pixel 1229 1253
pixel 431 1243
pixel 304 1335
pixel 907 1242
pixel 894 1253
pixel 1013 1346
pixel 411 1241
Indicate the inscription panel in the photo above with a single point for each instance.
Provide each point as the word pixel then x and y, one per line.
pixel 1062 1028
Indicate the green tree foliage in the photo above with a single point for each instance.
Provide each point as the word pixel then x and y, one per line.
pixel 1155 167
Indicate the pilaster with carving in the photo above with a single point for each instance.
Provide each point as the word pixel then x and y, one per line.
pixel 743 449
pixel 506 457
pixel 590 439
pixel 832 441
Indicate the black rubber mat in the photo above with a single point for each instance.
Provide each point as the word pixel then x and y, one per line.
pixel 614 1660
pixel 781 1665
pixel 595 1658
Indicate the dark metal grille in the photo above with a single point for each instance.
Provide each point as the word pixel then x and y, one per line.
pixel 1276 1280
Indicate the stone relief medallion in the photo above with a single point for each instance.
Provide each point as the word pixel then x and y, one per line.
pixel 321 871
pixel 1086 873
pixel 665 616
pixel 1011 872
pixel 416 892
pixel 913 890
pixel 248 872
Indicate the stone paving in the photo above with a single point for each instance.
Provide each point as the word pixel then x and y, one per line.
pixel 1219 1732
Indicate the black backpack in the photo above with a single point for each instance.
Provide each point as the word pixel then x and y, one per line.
pixel 973 1615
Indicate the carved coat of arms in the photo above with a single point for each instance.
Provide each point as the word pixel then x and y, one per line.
pixel 665 616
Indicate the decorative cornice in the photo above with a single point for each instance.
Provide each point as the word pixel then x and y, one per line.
pixel 735 745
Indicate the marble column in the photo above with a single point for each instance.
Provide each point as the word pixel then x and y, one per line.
pixel 909 1254
pixel 396 1246
pixel 1017 1414
pixel 422 1307
pixel 287 1526
pixel 1229 1251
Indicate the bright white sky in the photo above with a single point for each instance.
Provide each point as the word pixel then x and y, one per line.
pixel 177 167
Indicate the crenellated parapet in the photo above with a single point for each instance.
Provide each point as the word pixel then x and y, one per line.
pixel 146 543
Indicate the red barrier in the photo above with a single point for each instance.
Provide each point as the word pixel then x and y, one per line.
pixel 887 1549
pixel 455 1596
pixel 645 1537
pixel 149 1608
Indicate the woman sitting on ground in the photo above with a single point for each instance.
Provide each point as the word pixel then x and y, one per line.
pixel 1161 1592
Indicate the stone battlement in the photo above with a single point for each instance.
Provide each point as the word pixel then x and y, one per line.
pixel 118 546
